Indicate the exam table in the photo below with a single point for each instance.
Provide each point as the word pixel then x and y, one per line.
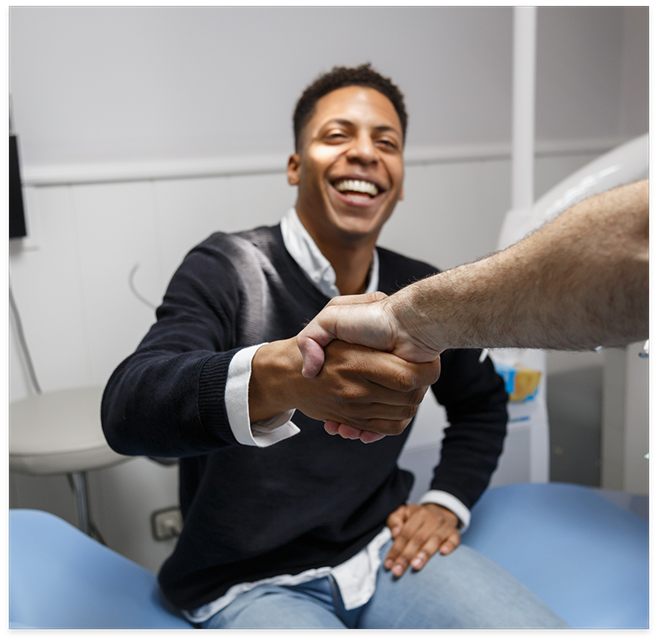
pixel 585 556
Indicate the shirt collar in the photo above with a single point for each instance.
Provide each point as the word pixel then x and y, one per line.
pixel 313 263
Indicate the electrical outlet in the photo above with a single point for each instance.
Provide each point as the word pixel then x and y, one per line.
pixel 166 524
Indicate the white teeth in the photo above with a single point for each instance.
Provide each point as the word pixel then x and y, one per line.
pixel 357 185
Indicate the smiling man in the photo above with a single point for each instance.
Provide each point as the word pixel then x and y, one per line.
pixel 284 525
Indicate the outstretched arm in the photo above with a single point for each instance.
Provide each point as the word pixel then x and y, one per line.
pixel 580 282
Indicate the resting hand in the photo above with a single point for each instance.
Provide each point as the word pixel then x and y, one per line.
pixel 362 320
pixel 419 531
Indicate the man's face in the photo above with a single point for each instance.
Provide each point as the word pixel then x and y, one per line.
pixel 349 170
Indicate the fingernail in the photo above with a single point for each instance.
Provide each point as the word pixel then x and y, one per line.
pixel 398 570
pixel 417 562
pixel 388 564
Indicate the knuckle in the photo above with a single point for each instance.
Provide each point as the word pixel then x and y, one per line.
pixel 386 427
pixel 397 427
pixel 351 394
pixel 418 540
pixel 349 421
pixel 435 540
pixel 410 411
pixel 402 557
pixel 400 541
pixel 417 395
pixel 406 380
pixel 430 372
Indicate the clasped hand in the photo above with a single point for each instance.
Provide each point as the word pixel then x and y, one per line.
pixel 374 393
pixel 362 320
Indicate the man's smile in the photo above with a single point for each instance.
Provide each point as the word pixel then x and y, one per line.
pixel 357 190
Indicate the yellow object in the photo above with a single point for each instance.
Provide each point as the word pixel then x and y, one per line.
pixel 526 382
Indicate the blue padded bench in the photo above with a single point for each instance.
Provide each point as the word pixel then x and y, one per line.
pixel 62 578
pixel 586 557
pixel 583 555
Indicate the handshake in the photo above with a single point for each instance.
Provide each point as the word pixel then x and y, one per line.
pixel 580 282
pixel 399 361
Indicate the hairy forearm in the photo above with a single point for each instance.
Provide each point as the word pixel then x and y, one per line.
pixel 580 282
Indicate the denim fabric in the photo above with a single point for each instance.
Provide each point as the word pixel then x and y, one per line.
pixel 461 590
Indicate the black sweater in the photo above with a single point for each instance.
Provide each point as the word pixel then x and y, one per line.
pixel 311 500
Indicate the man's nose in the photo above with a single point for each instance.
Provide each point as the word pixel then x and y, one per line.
pixel 362 149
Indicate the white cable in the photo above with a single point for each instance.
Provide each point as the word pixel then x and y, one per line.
pixel 23 342
pixel 133 289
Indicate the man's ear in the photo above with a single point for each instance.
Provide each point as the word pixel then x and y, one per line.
pixel 401 194
pixel 293 169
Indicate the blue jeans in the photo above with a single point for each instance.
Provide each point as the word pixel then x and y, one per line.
pixel 461 590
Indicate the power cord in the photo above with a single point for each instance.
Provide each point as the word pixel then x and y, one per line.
pixel 23 342
pixel 133 289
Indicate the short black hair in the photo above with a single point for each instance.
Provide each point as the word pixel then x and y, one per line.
pixel 337 78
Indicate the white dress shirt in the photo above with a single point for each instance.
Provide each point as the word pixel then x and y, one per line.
pixel 355 577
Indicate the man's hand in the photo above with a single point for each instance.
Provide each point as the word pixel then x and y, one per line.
pixel 373 391
pixel 365 319
pixel 419 531
pixel 351 433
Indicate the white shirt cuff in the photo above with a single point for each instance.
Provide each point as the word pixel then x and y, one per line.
pixel 444 499
pixel 263 433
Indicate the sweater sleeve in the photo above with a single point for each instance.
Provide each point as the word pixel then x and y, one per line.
pixel 475 400
pixel 167 398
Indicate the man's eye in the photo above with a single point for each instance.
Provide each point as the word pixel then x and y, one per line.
pixel 388 144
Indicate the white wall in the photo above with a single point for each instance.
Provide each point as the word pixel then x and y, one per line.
pixel 93 84
pixel 143 130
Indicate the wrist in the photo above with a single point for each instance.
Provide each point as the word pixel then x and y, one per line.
pixel 273 369
pixel 449 502
pixel 415 313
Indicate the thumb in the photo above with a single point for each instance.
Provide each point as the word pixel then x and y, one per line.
pixel 324 328
pixel 313 338
pixel 312 355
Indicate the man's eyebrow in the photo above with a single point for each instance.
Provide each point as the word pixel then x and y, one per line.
pixel 340 121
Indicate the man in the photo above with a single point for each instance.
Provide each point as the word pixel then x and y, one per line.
pixel 580 282
pixel 285 527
